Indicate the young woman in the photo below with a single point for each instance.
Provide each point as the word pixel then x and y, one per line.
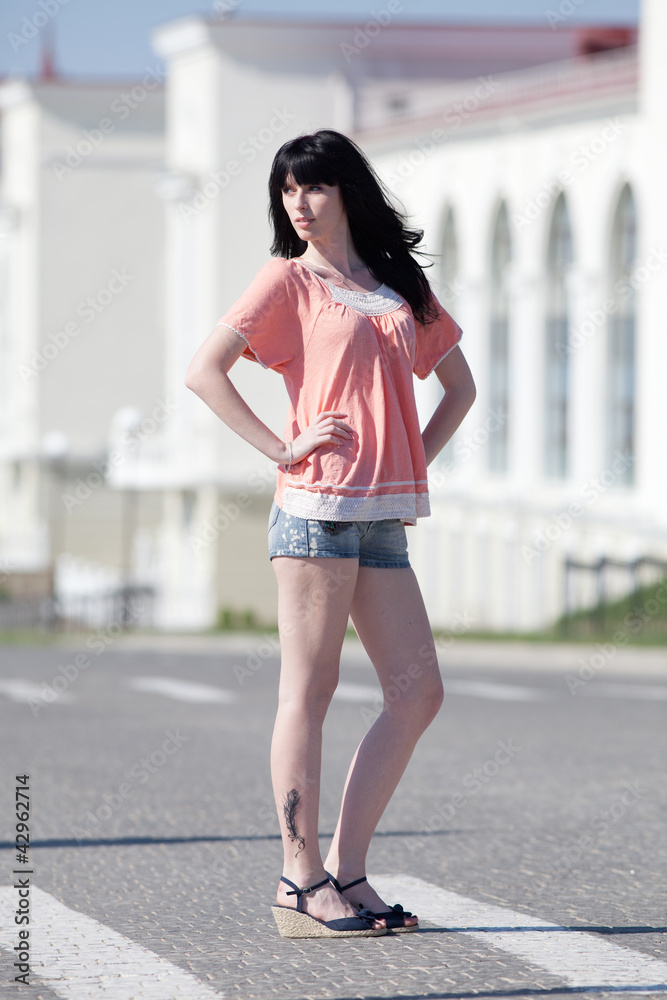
pixel 345 314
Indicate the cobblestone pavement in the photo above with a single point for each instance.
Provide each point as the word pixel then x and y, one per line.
pixel 151 812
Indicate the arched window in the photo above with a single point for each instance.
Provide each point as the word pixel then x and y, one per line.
pixel 620 414
pixel 556 367
pixel 499 342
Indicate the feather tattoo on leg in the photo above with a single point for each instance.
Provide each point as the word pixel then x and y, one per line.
pixel 289 809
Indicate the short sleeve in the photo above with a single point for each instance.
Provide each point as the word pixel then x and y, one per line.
pixel 435 341
pixel 266 316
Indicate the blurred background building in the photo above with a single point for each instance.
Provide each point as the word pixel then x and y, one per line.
pixel 81 323
pixel 534 161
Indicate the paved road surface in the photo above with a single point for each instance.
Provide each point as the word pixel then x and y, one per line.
pixel 528 832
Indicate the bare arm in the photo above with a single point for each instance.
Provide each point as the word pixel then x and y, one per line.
pixel 457 381
pixel 207 377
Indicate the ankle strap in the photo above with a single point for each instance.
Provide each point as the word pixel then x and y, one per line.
pixel 341 888
pixel 301 892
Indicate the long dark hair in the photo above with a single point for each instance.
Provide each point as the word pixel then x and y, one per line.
pixel 378 230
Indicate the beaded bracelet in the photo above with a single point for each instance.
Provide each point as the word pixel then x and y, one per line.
pixel 290 457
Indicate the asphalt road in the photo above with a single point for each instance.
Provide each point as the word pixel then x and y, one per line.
pixel 532 815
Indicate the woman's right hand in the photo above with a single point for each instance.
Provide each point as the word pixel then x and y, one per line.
pixel 326 428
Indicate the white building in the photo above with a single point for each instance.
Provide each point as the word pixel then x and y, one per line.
pixel 533 161
pixel 533 158
pixel 544 196
pixel 81 313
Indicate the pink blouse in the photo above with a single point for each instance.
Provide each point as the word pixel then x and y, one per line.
pixel 350 351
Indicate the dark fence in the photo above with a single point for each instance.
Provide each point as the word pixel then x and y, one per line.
pixel 125 607
pixel 596 585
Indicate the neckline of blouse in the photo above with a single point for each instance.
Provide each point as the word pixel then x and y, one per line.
pixel 332 284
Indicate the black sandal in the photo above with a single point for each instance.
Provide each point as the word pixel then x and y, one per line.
pixel 294 923
pixel 393 916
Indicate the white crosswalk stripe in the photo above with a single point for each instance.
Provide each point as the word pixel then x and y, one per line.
pixel 642 692
pixel 580 959
pixel 81 959
pixel 494 690
pixel 22 691
pixel 474 689
pixel 182 690
pixel 357 692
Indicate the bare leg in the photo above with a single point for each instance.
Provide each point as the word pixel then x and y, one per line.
pixel 314 596
pixel 390 618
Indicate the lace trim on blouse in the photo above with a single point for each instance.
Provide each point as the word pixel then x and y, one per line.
pixel 383 300
pixel 247 342
pixel 323 507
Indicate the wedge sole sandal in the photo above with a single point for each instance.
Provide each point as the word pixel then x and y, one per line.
pixel 294 924
pixel 393 917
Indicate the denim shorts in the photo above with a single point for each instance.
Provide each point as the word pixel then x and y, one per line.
pixel 374 543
